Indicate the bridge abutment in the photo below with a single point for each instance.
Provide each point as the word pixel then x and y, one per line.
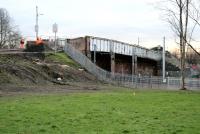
pixel 134 64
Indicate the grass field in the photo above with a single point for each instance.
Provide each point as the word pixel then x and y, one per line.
pixel 102 112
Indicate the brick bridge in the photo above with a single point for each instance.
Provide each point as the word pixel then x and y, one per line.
pixel 119 57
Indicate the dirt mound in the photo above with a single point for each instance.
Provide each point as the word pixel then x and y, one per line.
pixel 21 69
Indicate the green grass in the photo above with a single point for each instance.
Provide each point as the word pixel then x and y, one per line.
pixel 110 112
pixel 61 58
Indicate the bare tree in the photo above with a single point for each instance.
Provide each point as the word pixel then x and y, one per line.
pixel 14 38
pixel 183 17
pixel 175 53
pixel 9 36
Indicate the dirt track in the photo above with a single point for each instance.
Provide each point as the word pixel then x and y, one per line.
pixel 10 90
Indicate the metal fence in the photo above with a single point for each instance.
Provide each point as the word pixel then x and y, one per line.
pixel 133 81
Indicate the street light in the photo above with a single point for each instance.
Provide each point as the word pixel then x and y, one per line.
pixel 37 25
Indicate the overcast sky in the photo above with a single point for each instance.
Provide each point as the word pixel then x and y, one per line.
pixel 123 20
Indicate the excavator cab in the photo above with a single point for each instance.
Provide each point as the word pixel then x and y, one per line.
pixel 39 41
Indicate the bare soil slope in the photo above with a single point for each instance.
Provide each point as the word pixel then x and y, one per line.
pixel 20 70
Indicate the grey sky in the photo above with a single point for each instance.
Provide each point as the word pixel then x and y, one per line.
pixel 123 20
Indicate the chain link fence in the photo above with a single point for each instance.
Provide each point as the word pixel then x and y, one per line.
pixel 133 81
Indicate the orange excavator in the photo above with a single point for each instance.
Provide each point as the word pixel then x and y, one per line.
pixel 35 46
pixel 39 41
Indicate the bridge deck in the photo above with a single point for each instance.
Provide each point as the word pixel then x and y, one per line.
pixel 106 45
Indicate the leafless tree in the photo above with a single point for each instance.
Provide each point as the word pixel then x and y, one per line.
pixel 9 36
pixel 175 53
pixel 183 17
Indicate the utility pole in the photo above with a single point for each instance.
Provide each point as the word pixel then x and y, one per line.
pixel 36 25
pixel 163 61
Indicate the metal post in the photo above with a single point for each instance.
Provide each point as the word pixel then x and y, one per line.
pixel 163 61
pixel 36 25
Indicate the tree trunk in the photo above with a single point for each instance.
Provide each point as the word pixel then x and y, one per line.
pixel 182 46
pixel 184 41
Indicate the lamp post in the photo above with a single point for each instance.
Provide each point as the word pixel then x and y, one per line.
pixel 37 24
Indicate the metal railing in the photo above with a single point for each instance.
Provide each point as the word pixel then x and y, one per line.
pixel 133 81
